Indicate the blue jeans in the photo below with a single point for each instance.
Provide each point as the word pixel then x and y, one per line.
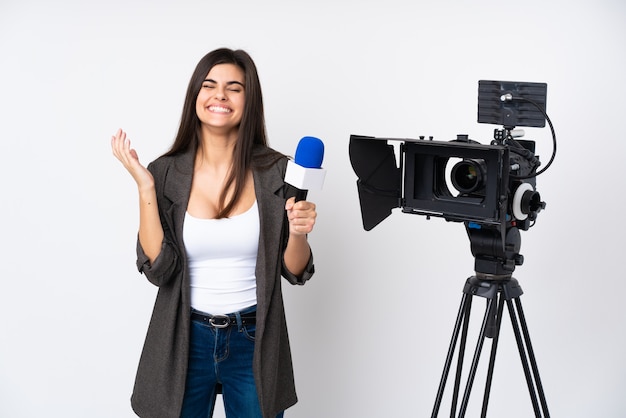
pixel 221 356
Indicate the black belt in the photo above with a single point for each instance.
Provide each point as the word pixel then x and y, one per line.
pixel 224 321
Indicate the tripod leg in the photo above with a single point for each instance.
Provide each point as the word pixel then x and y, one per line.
pixel 531 355
pixel 522 353
pixel 497 294
pixel 461 357
pixel 492 357
pixel 479 346
pixel 461 319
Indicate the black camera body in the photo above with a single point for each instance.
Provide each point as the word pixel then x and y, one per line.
pixel 491 188
pixel 459 180
pixel 462 180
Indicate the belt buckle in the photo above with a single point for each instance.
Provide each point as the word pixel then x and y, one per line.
pixel 219 321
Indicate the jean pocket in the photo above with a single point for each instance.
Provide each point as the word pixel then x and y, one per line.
pixel 249 331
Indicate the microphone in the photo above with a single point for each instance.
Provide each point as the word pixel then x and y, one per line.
pixel 306 172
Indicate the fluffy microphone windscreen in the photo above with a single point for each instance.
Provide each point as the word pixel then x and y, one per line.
pixel 310 152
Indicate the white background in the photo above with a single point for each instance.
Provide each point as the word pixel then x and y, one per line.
pixel 370 332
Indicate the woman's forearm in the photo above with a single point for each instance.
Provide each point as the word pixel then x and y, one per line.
pixel 297 254
pixel 150 229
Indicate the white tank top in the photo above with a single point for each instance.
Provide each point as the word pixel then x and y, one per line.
pixel 222 257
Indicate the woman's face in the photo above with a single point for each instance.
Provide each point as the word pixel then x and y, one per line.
pixel 220 102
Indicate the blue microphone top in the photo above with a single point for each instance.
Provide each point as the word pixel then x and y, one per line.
pixel 310 152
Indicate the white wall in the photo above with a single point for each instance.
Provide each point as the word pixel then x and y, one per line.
pixel 370 332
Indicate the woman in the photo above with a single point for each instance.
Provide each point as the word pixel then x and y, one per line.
pixel 217 231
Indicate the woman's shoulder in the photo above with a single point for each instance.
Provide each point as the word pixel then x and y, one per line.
pixel 262 150
pixel 265 157
pixel 181 161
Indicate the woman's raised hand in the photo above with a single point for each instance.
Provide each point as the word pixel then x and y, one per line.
pixel 120 145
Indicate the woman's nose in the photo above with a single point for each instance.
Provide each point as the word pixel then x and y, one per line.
pixel 220 94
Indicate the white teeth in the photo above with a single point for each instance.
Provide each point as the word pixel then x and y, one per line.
pixel 219 109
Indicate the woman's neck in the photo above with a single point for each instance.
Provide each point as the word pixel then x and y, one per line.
pixel 216 150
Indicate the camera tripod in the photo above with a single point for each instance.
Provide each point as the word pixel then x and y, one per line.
pixel 498 290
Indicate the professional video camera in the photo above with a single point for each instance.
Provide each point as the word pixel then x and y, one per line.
pixel 491 188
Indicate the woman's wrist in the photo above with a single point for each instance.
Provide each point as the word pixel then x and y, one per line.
pixel 146 189
pixel 147 194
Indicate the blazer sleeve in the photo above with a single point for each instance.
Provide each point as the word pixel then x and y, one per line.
pixel 165 266
pixel 288 191
pixel 168 263
pixel 300 280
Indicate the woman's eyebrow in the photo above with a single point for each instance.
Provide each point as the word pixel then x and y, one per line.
pixel 228 83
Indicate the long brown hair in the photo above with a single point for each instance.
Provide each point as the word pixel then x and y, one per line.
pixel 252 130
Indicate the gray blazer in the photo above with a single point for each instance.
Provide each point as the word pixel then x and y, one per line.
pixel 160 381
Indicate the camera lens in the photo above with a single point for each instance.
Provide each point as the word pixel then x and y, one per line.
pixel 468 175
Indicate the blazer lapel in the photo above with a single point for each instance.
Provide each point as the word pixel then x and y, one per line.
pixel 176 190
pixel 268 188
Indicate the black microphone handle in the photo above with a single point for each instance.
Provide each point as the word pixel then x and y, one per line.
pixel 300 194
pixel 293 191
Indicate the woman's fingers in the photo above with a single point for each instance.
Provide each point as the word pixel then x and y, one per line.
pixel 120 145
pixel 301 216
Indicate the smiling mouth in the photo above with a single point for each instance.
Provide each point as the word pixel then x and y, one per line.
pixel 219 109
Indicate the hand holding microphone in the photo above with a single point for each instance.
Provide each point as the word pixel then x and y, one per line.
pixel 304 173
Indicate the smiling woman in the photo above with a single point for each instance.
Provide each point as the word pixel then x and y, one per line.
pixel 217 231
pixel 219 106
pixel 220 101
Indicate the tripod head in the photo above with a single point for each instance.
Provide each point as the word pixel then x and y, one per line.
pixel 496 252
